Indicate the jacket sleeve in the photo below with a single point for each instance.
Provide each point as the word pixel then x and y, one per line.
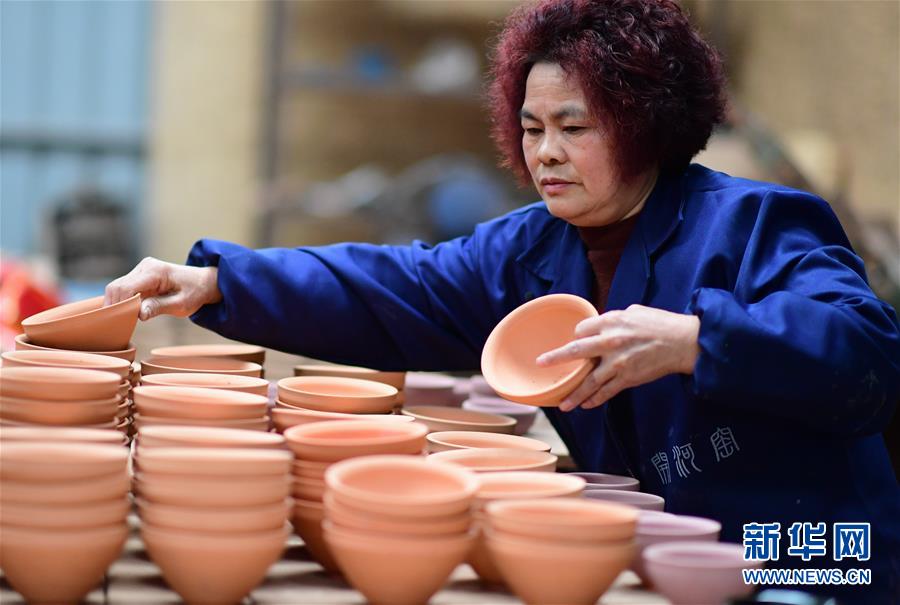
pixel 802 336
pixel 390 307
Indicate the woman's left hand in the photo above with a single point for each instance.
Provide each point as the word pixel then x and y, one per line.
pixel 633 347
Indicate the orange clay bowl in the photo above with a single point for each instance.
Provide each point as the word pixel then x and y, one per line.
pixel 230 382
pixel 59 435
pixel 440 418
pixel 402 485
pixel 307 521
pixel 395 379
pixel 210 365
pixel 85 325
pixel 486 460
pixel 59 413
pixel 48 462
pixel 202 436
pixel 251 424
pixel 67 359
pixel 57 384
pixel 343 515
pixel 94 489
pixel 308 489
pixel 66 516
pixel 23 343
pixel 197 402
pixel 230 520
pixel 241 352
pixel 527 484
pixel 337 394
pixel 223 491
pixel 339 439
pixel 459 440
pixel 285 416
pixel 563 519
pixel 15 423
pixel 508 359
pixel 210 461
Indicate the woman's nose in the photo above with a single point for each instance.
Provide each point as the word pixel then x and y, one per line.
pixel 551 150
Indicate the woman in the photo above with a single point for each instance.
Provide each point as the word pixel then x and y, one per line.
pixel 745 369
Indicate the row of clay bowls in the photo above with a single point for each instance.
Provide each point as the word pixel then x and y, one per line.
pixel 318 445
pixel 214 505
pixel 398 526
pixel 63 507
pixel 200 406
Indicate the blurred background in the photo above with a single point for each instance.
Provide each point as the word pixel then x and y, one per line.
pixel 134 128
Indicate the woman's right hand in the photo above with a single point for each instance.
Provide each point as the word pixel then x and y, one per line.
pixel 166 288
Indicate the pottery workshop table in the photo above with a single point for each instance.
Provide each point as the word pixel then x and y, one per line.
pixel 297 580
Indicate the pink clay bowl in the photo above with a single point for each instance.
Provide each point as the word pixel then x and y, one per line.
pixel 198 403
pixel 563 520
pixel 229 382
pixel 495 459
pixel 57 384
pixel 508 361
pixel 641 500
pixel 438 418
pixel 211 365
pixel 337 394
pixel 659 528
pixel 67 359
pixel 459 440
pixel 201 436
pixel 606 481
pixel 85 325
pixel 698 572
pixel 340 439
pixel 23 343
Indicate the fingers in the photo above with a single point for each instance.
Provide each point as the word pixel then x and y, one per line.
pixel 606 392
pixel 172 304
pixel 602 374
pixel 148 279
pixel 583 348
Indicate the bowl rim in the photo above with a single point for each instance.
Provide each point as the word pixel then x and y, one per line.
pixel 490 419
pixel 377 390
pixel 403 431
pixel 46 317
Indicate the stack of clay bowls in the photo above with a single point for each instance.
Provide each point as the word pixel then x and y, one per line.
pixel 441 418
pixel 198 406
pixel 516 485
pixel 214 365
pixel 659 528
pixel 394 379
pixel 443 441
pixel 63 508
pixel 284 417
pixel 313 398
pixel 524 415
pixel 319 445
pixel 508 360
pixel 230 382
pixel 398 526
pixel 560 550
pixel 60 396
pixel 84 326
pixel 213 519
pixel 206 436
pixel 426 388
pixel 241 352
pixel 496 459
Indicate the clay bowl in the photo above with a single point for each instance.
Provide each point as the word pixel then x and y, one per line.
pixel 59 413
pixel 310 468
pixel 201 437
pixel 487 460
pixel 66 516
pixel 307 522
pixel 361 520
pixel 425 388
pixel 85 325
pixel 285 416
pixel 59 435
pixel 336 440
pixel 67 359
pixel 225 491
pixel 38 462
pixel 698 572
pixel 197 403
pixel 195 365
pixel 479 387
pixel 241 352
pixel 23 343
pixel 250 424
pixel 562 520
pixel 438 418
pixel 94 489
pixel 211 462
pixel 524 415
pixel 57 565
pixel 337 394
pixel 538 571
pixel 230 382
pixel 526 484
pixel 606 481
pixel 402 485
pixel 57 384
pixel 658 528
pixel 459 440
pixel 395 379
pixel 308 488
pixel 414 571
pixel 639 499
pixel 508 360
pixel 213 567
pixel 236 519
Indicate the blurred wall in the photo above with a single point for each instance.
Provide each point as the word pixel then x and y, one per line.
pixel 205 123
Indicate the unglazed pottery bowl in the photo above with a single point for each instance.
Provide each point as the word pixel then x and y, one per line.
pixel 235 519
pixel 698 572
pixel 23 343
pixel 59 413
pixel 251 424
pixel 57 384
pixel 241 352
pixel 508 360
pixel 196 436
pixel 285 416
pixel 307 522
pixel 459 440
pixel 563 520
pixel 223 491
pixel 208 461
pixel 65 516
pixel 337 394
pixel 524 415
pixel 638 499
pixel 658 528
pixel 339 439
pixel 366 522
pixel 198 402
pixel 67 359
pixel 526 485
pixel 94 489
pixel 59 435
pixel 230 382
pixel 45 462
pixel 395 379
pixel 487 460
pixel 607 481
pixel 85 325
pixel 425 388
pixel 213 365
pixel 440 418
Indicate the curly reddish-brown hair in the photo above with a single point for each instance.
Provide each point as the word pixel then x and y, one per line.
pixel 647 75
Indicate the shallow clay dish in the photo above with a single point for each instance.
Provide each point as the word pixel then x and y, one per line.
pixel 562 520
pixel 251 424
pixel 196 436
pixel 607 481
pixel 241 352
pixel 395 379
pixel 210 461
pixel 638 499
pixel 440 418
pixel 59 413
pixel 23 343
pixel 213 365
pixel 340 439
pixel 85 325
pixel 524 415
pixel 285 416
pixel 230 382
pixel 337 394
pixel 459 440
pixel 197 402
pixel 59 435
pixel 67 359
pixel 486 460
pixel 527 484
pixel 508 361
pixel 57 384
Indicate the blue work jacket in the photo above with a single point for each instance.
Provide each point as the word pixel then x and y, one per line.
pixel 781 420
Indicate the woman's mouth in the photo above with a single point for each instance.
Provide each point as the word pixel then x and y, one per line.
pixel 555 186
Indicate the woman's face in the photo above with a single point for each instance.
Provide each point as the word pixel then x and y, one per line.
pixel 570 157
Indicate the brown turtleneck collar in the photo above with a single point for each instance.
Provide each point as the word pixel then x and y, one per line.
pixel 604 249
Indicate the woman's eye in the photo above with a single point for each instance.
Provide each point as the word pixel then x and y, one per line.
pixel 573 129
pixel 533 131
